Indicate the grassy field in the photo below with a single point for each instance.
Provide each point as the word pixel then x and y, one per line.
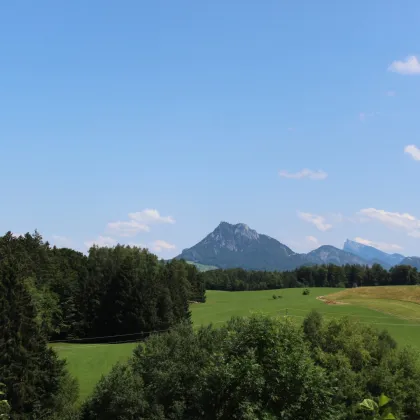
pixel 400 317
pixel 88 362
pixel 396 309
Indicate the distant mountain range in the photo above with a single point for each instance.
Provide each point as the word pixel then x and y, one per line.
pixel 230 246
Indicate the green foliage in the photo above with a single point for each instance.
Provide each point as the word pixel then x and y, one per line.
pixel 4 405
pixel 256 368
pixel 380 410
pixel 306 292
pixel 361 361
pixel 274 296
pixel 47 306
pixel 314 276
pixel 312 328
pixel 113 291
pixel 34 378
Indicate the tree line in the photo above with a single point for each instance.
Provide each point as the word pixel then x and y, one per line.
pixel 48 294
pixel 329 275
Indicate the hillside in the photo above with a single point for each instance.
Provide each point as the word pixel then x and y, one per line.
pixel 399 301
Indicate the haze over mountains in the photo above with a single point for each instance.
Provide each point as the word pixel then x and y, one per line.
pixel 238 245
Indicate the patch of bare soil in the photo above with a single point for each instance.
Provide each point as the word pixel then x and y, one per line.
pixel 330 301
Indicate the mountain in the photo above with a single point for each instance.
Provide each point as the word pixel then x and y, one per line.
pixel 239 246
pixel 413 261
pixel 371 254
pixel 231 246
pixel 327 254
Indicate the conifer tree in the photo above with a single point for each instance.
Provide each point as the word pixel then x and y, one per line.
pixel 32 374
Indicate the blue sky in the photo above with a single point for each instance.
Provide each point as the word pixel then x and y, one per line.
pixel 150 122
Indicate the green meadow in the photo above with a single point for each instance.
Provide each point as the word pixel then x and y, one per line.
pixel 391 310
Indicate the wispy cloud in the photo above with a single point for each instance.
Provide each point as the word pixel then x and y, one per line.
pixel 150 216
pixel 384 246
pixel 160 245
pixel 127 228
pixel 318 221
pixel 400 221
pixel 138 222
pixel 390 93
pixel 409 66
pixel 101 241
pixel 413 151
pixel 305 173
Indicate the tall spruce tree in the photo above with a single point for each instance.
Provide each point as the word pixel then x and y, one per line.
pixel 31 371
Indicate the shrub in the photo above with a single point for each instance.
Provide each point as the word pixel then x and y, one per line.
pixel 274 296
pixel 306 292
pixel 364 362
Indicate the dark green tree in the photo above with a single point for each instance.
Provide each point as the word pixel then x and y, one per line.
pixel 35 379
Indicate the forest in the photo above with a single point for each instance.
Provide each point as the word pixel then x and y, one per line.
pixel 236 279
pixel 250 368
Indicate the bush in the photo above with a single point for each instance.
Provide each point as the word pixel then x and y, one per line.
pixel 306 292
pixel 274 296
pixel 363 362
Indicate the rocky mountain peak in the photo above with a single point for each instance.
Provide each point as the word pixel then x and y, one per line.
pixel 234 231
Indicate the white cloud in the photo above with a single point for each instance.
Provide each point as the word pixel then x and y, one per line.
pixel 411 65
pixel 390 93
pixel 17 235
pixel 101 241
pixel 318 221
pixel 413 151
pixel 130 228
pixel 61 241
pixel 305 173
pixel 138 222
pixel 402 221
pixel 150 216
pixel 380 245
pixel 160 245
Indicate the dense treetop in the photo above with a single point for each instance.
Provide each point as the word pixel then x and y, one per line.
pixel 260 368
